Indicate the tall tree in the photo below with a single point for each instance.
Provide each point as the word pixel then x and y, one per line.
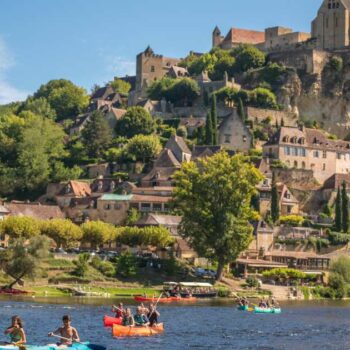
pixel 96 135
pixel 345 208
pixel 240 110
pixel 214 197
pixel 338 212
pixel 209 130
pixel 275 207
pixel 214 120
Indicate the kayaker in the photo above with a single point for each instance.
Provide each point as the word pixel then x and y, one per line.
pixel 16 331
pixel 128 319
pixel 67 333
pixel 145 311
pixel 140 318
pixel 153 315
pixel 118 310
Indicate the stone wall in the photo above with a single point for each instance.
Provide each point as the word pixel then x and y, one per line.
pixel 296 178
pixel 259 115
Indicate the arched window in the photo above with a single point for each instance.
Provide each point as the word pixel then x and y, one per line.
pixel 294 139
pixel 303 165
pixel 295 164
pixel 286 139
pixel 302 140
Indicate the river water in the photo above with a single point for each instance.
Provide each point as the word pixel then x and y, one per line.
pixel 204 325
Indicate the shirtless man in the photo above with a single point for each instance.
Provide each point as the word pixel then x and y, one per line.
pixel 68 333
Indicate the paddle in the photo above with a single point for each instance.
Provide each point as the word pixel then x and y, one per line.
pixel 155 306
pixel 90 346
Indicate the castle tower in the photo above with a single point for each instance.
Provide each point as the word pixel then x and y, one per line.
pixel 331 27
pixel 217 38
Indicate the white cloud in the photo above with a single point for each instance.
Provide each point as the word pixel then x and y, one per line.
pixel 120 66
pixel 8 93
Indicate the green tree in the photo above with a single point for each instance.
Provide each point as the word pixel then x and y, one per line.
pixel 248 57
pixel 20 227
pixel 338 212
pixel 39 106
pixel 240 110
pixel 136 121
pixel 143 148
pixel 275 206
pixel 183 91
pixel 127 265
pixel 225 64
pixel 67 99
pixel 159 88
pixel 121 86
pixel 205 62
pixel 81 265
pixel 214 120
pixel 64 232
pixel 345 208
pixel 214 198
pixel 133 216
pixel 23 258
pixel 209 130
pixel 97 233
pixel 263 98
pixel 201 135
pixel 97 135
pixel 182 131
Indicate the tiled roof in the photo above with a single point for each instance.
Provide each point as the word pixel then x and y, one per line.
pixel 294 254
pixel 236 35
pixel 78 189
pixel 4 210
pixel 180 142
pixel 167 159
pixel 34 210
pixel 192 122
pixel 118 112
pixel 160 174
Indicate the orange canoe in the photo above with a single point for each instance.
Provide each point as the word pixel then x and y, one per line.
pixel 122 331
pixel 109 321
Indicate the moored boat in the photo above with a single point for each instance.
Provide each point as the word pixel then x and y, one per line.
pixel 75 346
pixel 142 299
pixel 13 291
pixel 109 321
pixel 268 310
pixel 122 331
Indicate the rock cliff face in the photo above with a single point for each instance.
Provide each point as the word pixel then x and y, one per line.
pixel 323 98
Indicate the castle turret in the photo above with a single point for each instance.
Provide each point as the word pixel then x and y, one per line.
pixel 217 38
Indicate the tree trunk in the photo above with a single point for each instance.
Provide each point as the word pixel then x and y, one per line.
pixel 220 270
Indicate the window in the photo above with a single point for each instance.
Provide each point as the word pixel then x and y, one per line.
pixel 107 206
pixel 324 167
pixel 145 206
pixel 117 206
pixel 302 152
pixel 153 69
pixel 316 154
pixel 294 151
pixel 303 165
pixel 287 151
pixel 324 154
pixel 338 156
pixel 157 207
pixel 227 138
pixel 289 209
pixel 295 164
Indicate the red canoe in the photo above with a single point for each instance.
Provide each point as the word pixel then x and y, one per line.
pixel 13 291
pixel 109 321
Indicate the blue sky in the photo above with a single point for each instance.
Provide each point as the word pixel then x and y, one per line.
pixel 91 41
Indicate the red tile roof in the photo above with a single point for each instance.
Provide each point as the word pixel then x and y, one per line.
pixel 34 210
pixel 80 189
pixel 150 199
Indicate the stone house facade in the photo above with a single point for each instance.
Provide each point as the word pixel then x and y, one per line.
pixel 234 134
pixel 309 149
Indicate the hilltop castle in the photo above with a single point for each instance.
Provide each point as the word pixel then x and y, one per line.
pixel 330 30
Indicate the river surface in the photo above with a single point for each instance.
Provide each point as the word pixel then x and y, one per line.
pixel 204 325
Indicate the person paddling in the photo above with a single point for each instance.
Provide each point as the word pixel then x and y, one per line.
pixel 118 310
pixel 67 333
pixel 128 319
pixel 153 315
pixel 140 318
pixel 16 331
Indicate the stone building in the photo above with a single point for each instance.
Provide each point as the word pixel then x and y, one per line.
pixel 331 27
pixel 151 67
pixel 234 134
pixel 309 149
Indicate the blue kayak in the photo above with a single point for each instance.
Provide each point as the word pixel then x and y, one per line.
pixel 267 310
pixel 75 346
pixel 243 307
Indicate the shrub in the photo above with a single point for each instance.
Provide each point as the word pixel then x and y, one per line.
pixel 291 220
pixel 105 267
pixel 127 265
pixel 336 63
pixel 341 266
pixel 252 282
pixel 339 238
pixel 337 283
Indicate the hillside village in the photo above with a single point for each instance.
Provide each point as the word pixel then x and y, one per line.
pixel 279 97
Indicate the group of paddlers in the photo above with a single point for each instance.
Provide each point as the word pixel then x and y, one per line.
pixel 263 303
pixel 144 316
pixel 66 333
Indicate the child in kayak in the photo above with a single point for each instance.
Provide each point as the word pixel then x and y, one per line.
pixel 67 333
pixel 128 319
pixel 140 318
pixel 16 331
